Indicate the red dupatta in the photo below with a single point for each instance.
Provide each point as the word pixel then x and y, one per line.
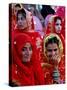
pixel 30 73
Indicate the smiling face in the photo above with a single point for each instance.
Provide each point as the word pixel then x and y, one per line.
pixel 58 25
pixel 21 21
pixel 27 52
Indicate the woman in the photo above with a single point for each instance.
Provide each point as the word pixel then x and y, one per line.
pixel 23 26
pixel 47 23
pixel 25 69
pixel 54 62
pixel 57 26
pixel 59 29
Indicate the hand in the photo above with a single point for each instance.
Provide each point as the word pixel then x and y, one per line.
pixel 55 59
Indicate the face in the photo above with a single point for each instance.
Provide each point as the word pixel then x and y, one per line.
pixel 52 51
pixel 58 26
pixel 27 52
pixel 21 22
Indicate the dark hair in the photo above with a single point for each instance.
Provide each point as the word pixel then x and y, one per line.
pixel 55 19
pixel 21 11
pixel 18 5
pixel 52 40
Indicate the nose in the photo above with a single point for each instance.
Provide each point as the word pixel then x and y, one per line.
pixel 53 52
pixel 19 22
pixel 27 52
pixel 59 27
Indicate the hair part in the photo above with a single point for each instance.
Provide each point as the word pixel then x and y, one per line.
pixel 51 41
pixel 18 5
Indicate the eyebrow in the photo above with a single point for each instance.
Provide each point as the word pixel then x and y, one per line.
pixel 51 49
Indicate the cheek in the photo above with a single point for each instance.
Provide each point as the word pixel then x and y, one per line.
pixel 30 52
pixel 57 52
pixel 61 27
pixel 19 22
pixel 48 54
pixel 25 23
pixel 23 54
pixel 56 27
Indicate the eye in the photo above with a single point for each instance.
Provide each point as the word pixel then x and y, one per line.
pixel 49 50
pixel 24 49
pixel 30 48
pixel 55 49
pixel 22 18
pixel 57 24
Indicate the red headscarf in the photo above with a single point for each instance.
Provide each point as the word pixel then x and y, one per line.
pixel 62 33
pixel 25 73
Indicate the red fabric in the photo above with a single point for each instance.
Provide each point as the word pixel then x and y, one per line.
pixel 62 31
pixel 13 20
pixel 48 31
pixel 34 36
pixel 61 12
pixel 48 71
pixel 61 34
pixel 25 73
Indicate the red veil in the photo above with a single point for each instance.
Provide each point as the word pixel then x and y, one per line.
pixel 62 33
pixel 25 73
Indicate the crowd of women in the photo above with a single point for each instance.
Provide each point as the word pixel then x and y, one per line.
pixel 37 45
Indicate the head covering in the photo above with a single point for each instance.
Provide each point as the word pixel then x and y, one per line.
pixel 47 20
pixel 21 40
pixel 29 19
pixel 52 23
pixel 49 71
pixel 62 32
pixel 28 73
pixel 47 37
pixel 61 11
pixel 49 23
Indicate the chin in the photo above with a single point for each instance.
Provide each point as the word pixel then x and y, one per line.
pixel 28 60
pixel 58 31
